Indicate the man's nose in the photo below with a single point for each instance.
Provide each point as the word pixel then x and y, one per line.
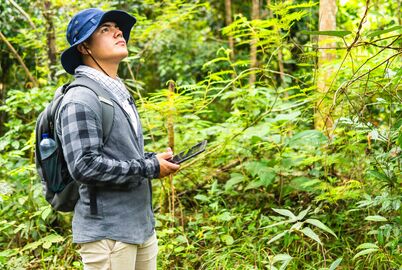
pixel 118 33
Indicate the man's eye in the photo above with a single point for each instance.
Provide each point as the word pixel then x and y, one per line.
pixel 105 29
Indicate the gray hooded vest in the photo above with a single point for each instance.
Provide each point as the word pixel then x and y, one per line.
pixel 125 213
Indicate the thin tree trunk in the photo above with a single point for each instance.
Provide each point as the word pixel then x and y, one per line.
pixel 228 13
pixel 19 59
pixel 255 14
pixel 170 126
pixel 327 21
pixel 50 36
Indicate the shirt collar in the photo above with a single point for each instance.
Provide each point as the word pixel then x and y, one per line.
pixel 114 86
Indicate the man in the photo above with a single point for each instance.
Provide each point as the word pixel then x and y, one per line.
pixel 113 219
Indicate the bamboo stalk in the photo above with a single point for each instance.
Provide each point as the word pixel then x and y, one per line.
pixel 19 59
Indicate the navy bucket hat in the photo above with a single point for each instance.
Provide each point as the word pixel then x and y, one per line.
pixel 82 26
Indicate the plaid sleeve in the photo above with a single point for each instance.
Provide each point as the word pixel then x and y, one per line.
pixel 81 138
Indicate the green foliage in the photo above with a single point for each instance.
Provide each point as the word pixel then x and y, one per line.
pixel 270 192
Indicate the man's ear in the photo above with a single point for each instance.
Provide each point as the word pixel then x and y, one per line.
pixel 83 49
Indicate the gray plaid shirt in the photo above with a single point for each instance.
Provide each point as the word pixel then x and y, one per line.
pixel 81 136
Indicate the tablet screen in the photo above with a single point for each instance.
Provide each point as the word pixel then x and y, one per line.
pixel 189 153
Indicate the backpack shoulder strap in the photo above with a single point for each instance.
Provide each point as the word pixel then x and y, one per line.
pixel 104 98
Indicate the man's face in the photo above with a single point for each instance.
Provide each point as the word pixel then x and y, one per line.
pixel 107 43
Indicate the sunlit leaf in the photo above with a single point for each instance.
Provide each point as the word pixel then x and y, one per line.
pixel 285 212
pixel 380 32
pixel 375 218
pixel 303 213
pixel 367 246
pixel 311 234
pixel 276 237
pixel 50 239
pixel 328 33
pixel 46 213
pixel 228 239
pixel 365 252
pixel 335 264
pixel 225 216
pixel 320 225
pixel 281 257
pixel 201 197
pixel 235 179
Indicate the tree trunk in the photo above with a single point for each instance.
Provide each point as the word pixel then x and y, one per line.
pixel 228 13
pixel 170 127
pixel 327 21
pixel 255 15
pixel 48 14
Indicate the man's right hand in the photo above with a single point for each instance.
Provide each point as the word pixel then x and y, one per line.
pixel 166 167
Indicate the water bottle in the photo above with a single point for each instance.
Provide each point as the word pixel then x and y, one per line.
pixel 47 146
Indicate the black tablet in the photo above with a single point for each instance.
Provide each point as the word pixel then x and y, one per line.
pixel 190 153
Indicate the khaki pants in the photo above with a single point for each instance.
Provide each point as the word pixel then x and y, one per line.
pixel 114 255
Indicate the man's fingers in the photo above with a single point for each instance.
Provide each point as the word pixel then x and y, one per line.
pixel 165 155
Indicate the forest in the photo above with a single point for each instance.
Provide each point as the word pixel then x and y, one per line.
pixel 300 102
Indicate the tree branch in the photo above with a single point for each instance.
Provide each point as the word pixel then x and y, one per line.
pixel 10 46
pixel 19 8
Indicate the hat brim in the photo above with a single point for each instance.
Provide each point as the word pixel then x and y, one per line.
pixel 71 58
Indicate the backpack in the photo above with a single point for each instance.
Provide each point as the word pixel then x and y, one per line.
pixel 59 188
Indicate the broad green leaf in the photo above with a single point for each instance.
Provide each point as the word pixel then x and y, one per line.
pixel 328 33
pixel 311 234
pixel 46 212
pixel 375 218
pixel 303 213
pixel 292 116
pixel 308 138
pixel 365 252
pixel 296 226
pixel 32 245
pixel 228 239
pixel 400 138
pixel 254 167
pixel 285 212
pixel 367 246
pixel 305 184
pixel 380 32
pixel 235 178
pixel 335 264
pixel 276 237
pixel 254 185
pixel 284 258
pixel 281 257
pixel 320 225
pixel 201 197
pixel 266 177
pixel 225 216
pixel 276 224
pixel 8 253
pixel 50 239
